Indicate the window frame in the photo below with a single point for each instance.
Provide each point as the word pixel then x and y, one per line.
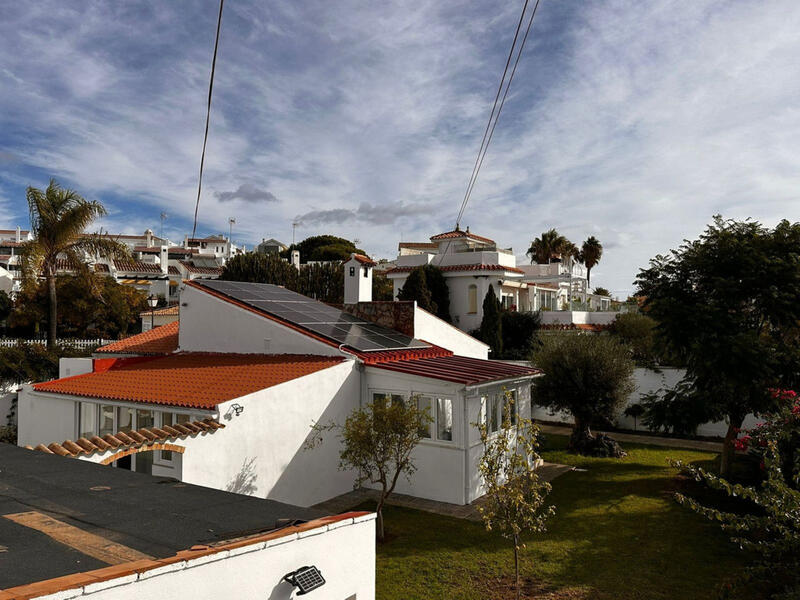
pixel 472 301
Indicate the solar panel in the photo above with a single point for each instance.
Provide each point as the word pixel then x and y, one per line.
pixel 314 316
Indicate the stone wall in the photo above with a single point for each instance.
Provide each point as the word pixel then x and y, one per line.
pixel 394 315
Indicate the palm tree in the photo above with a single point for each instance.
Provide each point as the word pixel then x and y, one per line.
pixel 591 252
pixel 545 247
pixel 58 219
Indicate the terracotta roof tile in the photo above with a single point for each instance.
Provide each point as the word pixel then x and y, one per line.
pixel 195 380
pixel 158 341
pixel 457 233
pixel 460 369
pixel 418 245
pixel 136 266
pixel 201 270
pixel 372 358
pixel 451 268
pixel 165 311
pixel 142 437
pixel 364 260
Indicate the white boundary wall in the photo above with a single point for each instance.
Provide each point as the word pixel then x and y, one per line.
pixel 648 381
pixel 343 551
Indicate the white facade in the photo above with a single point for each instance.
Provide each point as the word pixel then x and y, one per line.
pixel 357 281
pixel 261 450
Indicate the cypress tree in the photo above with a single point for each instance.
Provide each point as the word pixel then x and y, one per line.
pixel 491 325
pixel 416 288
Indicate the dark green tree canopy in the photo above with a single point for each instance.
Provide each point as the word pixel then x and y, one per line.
pixel 97 308
pixel 416 288
pixel 323 248
pixel 727 304
pixel 590 254
pixel 323 282
pixel 491 330
pixel 588 375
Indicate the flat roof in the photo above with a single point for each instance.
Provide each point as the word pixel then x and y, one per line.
pixel 63 516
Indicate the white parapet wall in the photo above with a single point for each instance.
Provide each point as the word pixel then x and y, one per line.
pixel 578 317
pixel 432 329
pixel 343 550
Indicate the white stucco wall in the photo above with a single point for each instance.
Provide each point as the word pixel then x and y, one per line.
pixel 209 324
pixel 578 317
pixel 446 471
pixel 69 367
pixel 357 287
pixel 459 283
pixel 649 381
pixel 344 552
pixel 432 329
pixel 260 452
pixel 42 419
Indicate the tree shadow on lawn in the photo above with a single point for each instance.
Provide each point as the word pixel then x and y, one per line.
pixel 617 529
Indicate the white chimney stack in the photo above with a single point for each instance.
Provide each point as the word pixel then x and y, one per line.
pixel 358 279
pixel 164 257
pixel 296 259
pixel 148 236
pixel 19 234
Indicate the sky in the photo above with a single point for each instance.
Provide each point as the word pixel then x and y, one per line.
pixel 632 121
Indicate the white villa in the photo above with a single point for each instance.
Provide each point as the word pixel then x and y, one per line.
pixel 472 263
pixel 225 397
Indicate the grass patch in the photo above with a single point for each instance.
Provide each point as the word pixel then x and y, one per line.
pixel 617 534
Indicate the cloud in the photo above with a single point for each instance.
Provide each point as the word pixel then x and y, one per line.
pixel 247 192
pixel 375 214
pixel 629 121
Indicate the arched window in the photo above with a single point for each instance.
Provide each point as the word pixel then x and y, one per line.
pixel 472 299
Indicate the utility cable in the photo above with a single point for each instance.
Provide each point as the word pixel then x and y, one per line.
pixel 208 117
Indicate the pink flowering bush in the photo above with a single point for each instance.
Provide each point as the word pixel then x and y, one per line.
pixel 771 530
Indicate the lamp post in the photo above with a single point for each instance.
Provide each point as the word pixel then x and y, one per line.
pixel 152 301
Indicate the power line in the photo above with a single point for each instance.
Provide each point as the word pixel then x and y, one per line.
pixel 208 117
pixel 494 106
pixel 485 147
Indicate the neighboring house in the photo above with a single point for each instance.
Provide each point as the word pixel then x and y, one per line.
pixel 217 246
pixel 199 267
pixel 159 317
pixel 271 246
pixel 234 386
pixel 72 529
pixel 472 263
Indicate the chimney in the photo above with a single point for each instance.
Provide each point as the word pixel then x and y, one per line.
pixel 164 256
pixel 357 280
pixel 186 241
pixel 148 236
pixel 19 235
pixel 296 259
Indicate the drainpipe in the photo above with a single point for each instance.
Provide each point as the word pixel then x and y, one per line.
pixel 467 447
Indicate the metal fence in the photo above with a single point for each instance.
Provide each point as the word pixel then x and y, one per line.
pixel 73 343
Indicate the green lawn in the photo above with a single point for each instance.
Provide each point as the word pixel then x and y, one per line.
pixel 618 534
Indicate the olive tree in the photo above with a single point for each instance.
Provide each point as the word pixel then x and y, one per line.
pixel 590 376
pixel 514 503
pixel 377 443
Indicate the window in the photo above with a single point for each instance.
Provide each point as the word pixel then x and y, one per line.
pixel 124 419
pixel 388 396
pixel 444 419
pixel 87 420
pixel 182 418
pixel 166 419
pixel 424 405
pixel 352 271
pixel 510 402
pixel 106 420
pixel 494 409
pixel 472 299
pixel 145 418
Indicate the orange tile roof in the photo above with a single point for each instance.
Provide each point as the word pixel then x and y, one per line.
pixel 136 266
pixel 173 310
pixel 457 233
pixel 194 380
pixel 364 260
pixel 121 440
pixel 157 341
pixel 201 270
pixel 483 267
